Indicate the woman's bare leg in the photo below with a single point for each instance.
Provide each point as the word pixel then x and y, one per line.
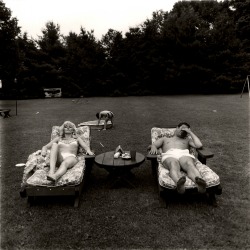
pixel 69 162
pixel 53 158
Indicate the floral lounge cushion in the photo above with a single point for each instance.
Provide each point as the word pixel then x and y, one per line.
pixel 37 166
pixel 211 178
pixel 73 176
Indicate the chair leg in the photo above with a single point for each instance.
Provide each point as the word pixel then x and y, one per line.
pixel 211 199
pixel 89 165
pixel 23 193
pixel 78 192
pixel 77 199
pixel 162 197
pixel 30 201
pixel 154 167
pixel 162 200
pixel 219 190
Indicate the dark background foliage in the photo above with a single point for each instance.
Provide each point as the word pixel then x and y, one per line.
pixel 197 47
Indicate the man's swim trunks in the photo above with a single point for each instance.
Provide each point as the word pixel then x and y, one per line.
pixel 176 153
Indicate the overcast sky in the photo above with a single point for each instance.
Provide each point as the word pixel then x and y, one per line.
pixel 99 15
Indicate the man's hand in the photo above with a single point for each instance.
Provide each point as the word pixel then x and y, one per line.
pixel 153 150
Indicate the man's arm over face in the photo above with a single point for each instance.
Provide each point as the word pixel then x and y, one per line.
pixel 195 142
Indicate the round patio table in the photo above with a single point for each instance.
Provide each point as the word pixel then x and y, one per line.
pixel 119 169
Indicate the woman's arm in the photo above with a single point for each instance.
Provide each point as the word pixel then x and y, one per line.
pixel 48 146
pixel 83 144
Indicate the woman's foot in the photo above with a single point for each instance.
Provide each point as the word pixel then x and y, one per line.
pixel 201 185
pixel 180 185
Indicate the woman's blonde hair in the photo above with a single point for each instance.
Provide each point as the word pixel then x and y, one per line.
pixel 61 129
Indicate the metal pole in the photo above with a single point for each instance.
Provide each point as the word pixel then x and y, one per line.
pixel 246 81
pixel 243 88
pixel 248 86
pixel 15 80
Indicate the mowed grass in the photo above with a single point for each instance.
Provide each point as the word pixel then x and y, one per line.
pixel 122 217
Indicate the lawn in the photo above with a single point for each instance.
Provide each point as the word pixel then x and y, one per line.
pixel 121 217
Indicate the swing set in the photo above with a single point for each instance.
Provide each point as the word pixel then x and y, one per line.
pixel 246 81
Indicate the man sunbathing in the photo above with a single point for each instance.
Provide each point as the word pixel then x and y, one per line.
pixel 176 156
pixel 64 149
pixel 106 116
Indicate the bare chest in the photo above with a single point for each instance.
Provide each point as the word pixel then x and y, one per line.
pixel 175 142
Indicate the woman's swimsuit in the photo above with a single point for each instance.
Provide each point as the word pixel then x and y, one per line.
pixel 65 154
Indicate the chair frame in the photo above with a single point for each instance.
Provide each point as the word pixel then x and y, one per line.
pixel 164 193
pixel 31 192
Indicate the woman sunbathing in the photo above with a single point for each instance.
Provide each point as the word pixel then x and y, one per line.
pixel 64 149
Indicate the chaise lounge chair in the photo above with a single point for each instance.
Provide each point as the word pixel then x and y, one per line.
pixel 35 183
pixel 167 186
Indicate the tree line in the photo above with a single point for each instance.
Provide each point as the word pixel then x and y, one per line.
pixel 199 47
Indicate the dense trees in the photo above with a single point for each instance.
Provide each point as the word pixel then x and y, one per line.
pixel 9 55
pixel 197 47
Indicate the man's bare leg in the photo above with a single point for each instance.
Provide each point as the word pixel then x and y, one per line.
pixel 187 163
pixel 174 167
pixel 201 185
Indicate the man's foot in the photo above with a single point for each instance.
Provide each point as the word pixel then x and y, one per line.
pixel 51 178
pixel 201 185
pixel 180 185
